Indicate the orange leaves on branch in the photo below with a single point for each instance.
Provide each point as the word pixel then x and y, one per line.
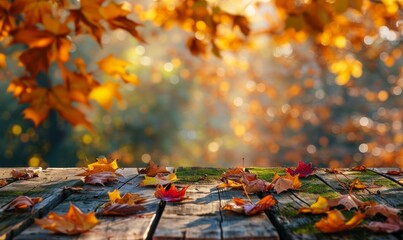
pixel 22 203
pixel 247 208
pixel 169 193
pixel 335 222
pixel 7 21
pixel 153 169
pixel 71 223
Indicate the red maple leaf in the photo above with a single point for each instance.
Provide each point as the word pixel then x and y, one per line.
pixel 170 193
pixel 303 169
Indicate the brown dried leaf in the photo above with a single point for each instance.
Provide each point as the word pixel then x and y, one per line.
pixel 22 203
pixel 153 169
pixel 116 209
pixel 24 174
pixel 3 182
pixel 100 178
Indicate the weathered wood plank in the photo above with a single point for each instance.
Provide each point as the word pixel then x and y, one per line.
pixel 384 191
pixel 383 172
pixel 195 218
pixel 235 226
pixel 292 225
pixel 48 186
pixel 128 227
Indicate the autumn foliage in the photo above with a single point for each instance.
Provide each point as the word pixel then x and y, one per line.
pixel 48 29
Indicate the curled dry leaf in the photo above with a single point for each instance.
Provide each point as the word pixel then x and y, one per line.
pixel 25 173
pixel 169 193
pixel 21 203
pixel 3 182
pixel 303 169
pixel 386 211
pixel 101 165
pixel 159 179
pixel 320 206
pixel 116 209
pixel 348 201
pixel 128 198
pixel 359 168
pixel 153 169
pixel 394 172
pixel 71 223
pixel 235 174
pixel 391 225
pixel 247 208
pixel 335 222
pixel 255 185
pixel 283 183
pixel 100 178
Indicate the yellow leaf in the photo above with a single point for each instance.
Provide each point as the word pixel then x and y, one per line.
pixel 114 66
pixel 104 94
pixel 159 179
pixel 103 165
pixel 320 206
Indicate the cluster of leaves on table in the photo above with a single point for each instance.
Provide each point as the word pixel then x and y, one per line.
pixel 335 221
pixel 104 171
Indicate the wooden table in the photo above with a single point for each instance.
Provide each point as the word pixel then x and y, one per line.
pixel 200 216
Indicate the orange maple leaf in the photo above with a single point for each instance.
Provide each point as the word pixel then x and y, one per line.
pixel 170 193
pixel 318 207
pixel 230 184
pixel 117 67
pixel 103 165
pixel 45 45
pixel 247 208
pixel 7 21
pixel 153 169
pixel 73 222
pixel 335 222
pixel 122 206
pixel 128 198
pixel 33 11
pixel 357 184
pixel 87 19
pixel 159 179
pixel 116 17
pixel 22 203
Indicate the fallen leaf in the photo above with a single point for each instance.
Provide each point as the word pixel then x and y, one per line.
pixel 100 178
pixel 391 225
pixel 357 184
pixel 3 182
pixel 116 209
pixel 24 174
pixel 22 203
pixel 386 211
pixel 335 222
pixel 256 185
pixel 247 208
pixel 169 193
pixel 73 189
pixel 394 172
pixel 101 165
pixel 359 168
pixel 320 206
pixel 347 200
pixel 283 183
pixel 159 179
pixel 128 198
pixel 71 223
pixel 230 184
pixel 303 169
pixel 235 174
pixel 153 169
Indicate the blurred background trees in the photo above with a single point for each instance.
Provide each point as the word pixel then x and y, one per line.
pixel 195 82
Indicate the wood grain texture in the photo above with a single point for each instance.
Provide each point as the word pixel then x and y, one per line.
pixel 383 171
pixel 195 218
pixel 48 185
